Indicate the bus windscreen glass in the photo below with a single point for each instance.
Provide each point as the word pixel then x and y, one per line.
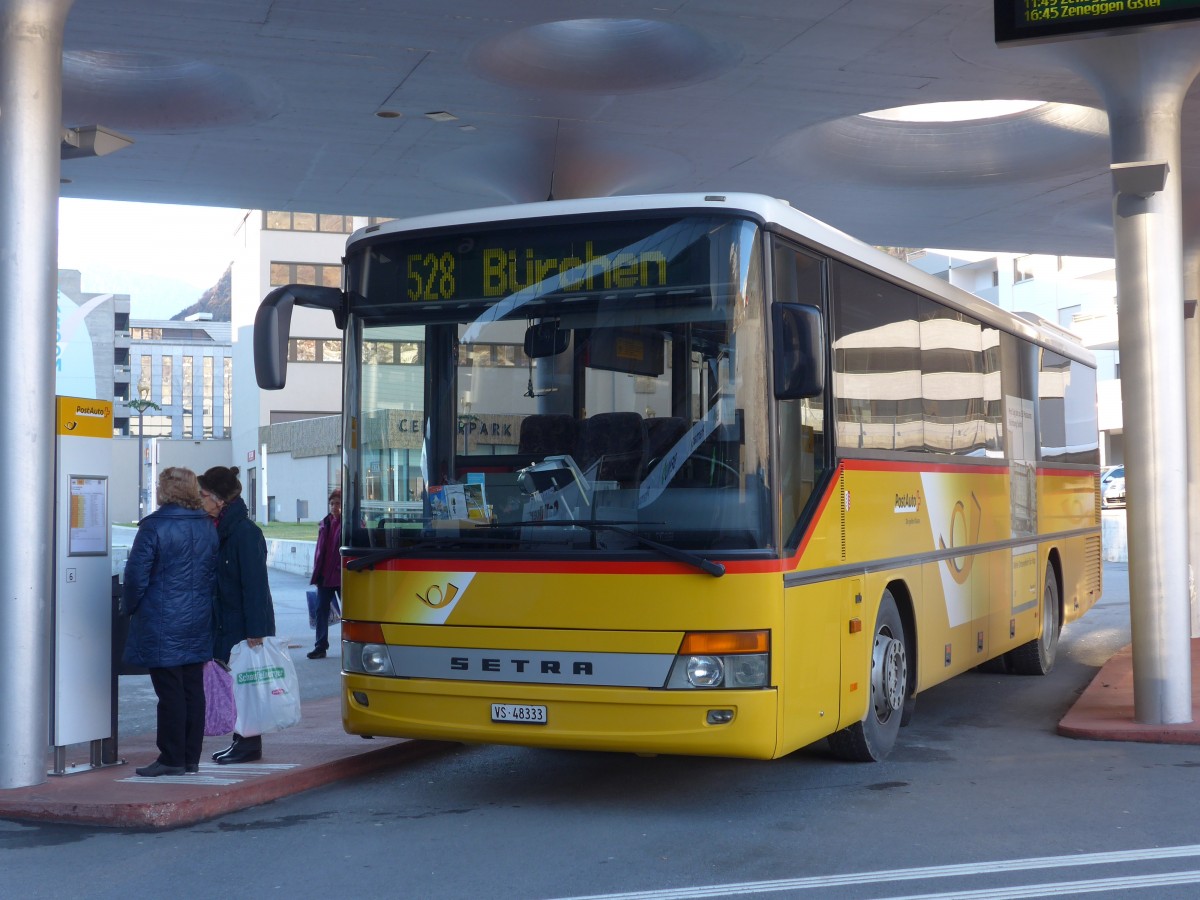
pixel 645 376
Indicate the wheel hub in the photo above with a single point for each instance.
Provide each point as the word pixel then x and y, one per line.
pixel 889 675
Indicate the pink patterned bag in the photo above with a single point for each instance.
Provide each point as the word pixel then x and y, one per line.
pixel 220 714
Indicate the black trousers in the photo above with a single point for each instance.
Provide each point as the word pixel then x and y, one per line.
pixel 180 691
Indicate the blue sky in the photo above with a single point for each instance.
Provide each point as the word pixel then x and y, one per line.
pixel 163 257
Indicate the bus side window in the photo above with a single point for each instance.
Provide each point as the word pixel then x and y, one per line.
pixel 799 278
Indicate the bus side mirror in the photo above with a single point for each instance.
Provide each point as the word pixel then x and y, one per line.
pixel 799 350
pixel 273 325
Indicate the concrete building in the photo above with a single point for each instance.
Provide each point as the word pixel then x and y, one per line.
pixel 287 472
pixel 92 353
pixel 184 367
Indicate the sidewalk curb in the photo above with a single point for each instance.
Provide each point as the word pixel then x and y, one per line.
pixel 314 753
pixel 1105 709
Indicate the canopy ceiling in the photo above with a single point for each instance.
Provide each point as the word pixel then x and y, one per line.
pixel 404 107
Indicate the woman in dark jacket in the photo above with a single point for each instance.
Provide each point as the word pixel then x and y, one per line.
pixel 244 611
pixel 169 580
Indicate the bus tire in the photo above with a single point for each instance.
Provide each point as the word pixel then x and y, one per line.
pixel 1037 656
pixel 873 738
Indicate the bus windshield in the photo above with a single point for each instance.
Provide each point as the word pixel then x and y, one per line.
pixel 571 387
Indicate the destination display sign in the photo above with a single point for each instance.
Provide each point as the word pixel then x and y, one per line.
pixel 1019 21
pixel 644 255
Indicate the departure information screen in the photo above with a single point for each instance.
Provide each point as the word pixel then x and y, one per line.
pixel 1019 21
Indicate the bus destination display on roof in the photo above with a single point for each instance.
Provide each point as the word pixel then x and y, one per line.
pixel 601 257
pixel 1019 21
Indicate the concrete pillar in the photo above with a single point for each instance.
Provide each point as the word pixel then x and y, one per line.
pixel 1143 78
pixel 1191 345
pixel 31 34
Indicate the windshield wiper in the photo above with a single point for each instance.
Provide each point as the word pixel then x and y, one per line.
pixel 715 569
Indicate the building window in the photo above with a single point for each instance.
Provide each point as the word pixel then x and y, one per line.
pixel 144 378
pixel 1066 315
pixel 300 221
pixel 324 275
pixel 186 398
pixel 145 334
pixel 207 398
pixel 502 356
pixel 156 426
pixel 315 350
pixel 166 381
pixel 227 393
pixel 1022 269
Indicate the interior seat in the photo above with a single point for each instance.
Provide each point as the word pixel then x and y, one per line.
pixel 616 443
pixel 548 434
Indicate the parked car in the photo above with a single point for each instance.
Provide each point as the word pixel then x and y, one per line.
pixel 1112 487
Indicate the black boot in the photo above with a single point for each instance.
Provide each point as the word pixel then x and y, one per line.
pixel 247 749
pixel 237 739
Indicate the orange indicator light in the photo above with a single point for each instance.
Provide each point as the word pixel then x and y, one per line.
pixel 716 643
pixel 362 632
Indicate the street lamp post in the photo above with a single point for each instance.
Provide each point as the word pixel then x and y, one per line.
pixel 142 404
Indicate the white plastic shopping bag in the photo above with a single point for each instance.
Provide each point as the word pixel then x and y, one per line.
pixel 265 688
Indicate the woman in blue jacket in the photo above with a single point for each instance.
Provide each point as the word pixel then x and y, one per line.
pixel 170 577
pixel 244 611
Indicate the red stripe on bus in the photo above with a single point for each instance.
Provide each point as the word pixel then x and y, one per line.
pixel 757 566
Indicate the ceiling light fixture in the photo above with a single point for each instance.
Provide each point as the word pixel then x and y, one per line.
pixel 441 116
pixel 91 140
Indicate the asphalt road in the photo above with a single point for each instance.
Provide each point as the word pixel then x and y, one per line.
pixel 981 798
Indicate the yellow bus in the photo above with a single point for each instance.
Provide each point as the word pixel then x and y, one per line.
pixel 689 474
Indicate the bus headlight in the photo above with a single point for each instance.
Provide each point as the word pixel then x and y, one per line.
pixel 707 660
pixel 366 659
pixel 748 671
pixel 705 671
pixel 364 649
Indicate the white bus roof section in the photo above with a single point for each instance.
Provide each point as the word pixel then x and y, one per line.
pixel 401 108
pixel 771 212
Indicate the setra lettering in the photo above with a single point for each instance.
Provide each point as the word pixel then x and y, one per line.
pixel 520 665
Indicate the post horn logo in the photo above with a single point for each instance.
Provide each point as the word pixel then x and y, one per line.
pixel 964 531
pixel 435 598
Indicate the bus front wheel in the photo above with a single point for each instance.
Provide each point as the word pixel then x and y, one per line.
pixel 873 738
pixel 1037 656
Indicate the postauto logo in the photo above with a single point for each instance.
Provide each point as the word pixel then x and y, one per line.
pixel 908 503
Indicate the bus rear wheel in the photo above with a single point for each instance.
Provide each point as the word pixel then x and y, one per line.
pixel 873 738
pixel 1037 656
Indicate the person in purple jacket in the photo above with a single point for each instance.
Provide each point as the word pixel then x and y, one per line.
pixel 170 579
pixel 327 570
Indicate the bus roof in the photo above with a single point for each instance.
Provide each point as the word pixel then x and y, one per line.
pixel 776 215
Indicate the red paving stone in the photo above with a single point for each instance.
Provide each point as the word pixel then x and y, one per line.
pixel 313 753
pixel 1104 711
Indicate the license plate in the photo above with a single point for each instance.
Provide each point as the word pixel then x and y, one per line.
pixel 519 713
